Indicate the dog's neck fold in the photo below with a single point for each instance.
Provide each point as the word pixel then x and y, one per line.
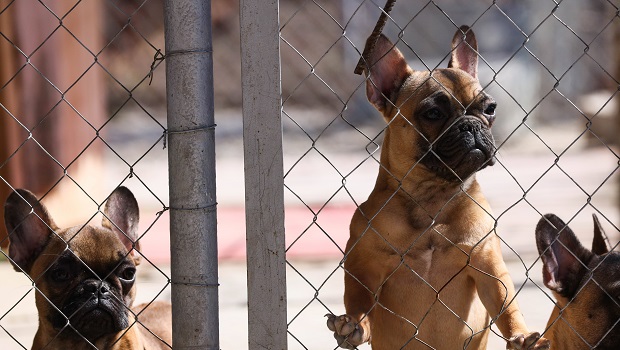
pixel 420 189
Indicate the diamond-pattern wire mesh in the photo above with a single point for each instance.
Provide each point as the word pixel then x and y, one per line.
pixel 551 66
pixel 79 112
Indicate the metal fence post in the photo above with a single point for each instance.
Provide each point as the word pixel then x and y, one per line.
pixel 264 188
pixel 191 162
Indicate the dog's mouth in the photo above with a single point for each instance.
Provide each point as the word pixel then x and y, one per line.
pixel 92 315
pixel 464 149
pixel 97 318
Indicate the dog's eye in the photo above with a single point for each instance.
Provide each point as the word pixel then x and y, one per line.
pixel 490 110
pixel 128 274
pixel 433 114
pixel 60 274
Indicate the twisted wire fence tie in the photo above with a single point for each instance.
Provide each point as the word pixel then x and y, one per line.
pixel 160 57
pixel 156 58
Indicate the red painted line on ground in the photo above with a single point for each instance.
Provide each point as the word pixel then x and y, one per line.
pixel 310 233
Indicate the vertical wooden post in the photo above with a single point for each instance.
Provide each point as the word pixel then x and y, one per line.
pixel 264 188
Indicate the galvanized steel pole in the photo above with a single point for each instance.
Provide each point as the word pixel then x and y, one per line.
pixel 264 188
pixel 191 167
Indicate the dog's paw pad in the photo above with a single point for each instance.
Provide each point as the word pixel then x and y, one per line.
pixel 346 331
pixel 532 341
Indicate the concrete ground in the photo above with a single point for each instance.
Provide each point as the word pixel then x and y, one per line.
pixel 523 185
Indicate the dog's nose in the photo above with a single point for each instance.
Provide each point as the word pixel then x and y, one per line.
pixel 104 291
pixel 91 287
pixel 98 288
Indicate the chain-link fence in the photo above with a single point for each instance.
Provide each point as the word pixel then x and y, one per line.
pixel 82 91
pixel 82 113
pixel 551 66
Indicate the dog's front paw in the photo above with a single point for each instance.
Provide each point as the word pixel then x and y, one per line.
pixel 532 341
pixel 347 332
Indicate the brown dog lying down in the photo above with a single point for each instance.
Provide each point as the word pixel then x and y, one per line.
pixel 423 265
pixel 586 285
pixel 85 277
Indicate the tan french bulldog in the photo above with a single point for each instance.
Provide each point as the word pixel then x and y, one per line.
pixel 85 277
pixel 423 264
pixel 585 284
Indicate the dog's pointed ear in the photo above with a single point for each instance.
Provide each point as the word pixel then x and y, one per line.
pixel 121 215
pixel 386 71
pixel 465 51
pixel 599 244
pixel 563 256
pixel 29 226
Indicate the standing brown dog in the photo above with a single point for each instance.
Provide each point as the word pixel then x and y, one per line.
pixel 85 277
pixel 586 285
pixel 423 265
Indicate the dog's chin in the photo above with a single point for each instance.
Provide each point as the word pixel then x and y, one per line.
pixel 474 160
pixel 94 320
pixel 96 324
pixel 462 168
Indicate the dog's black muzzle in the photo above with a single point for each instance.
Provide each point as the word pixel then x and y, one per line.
pixel 94 309
pixel 466 147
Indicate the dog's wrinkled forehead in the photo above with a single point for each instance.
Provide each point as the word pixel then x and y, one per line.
pixel 90 241
pixel 455 83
